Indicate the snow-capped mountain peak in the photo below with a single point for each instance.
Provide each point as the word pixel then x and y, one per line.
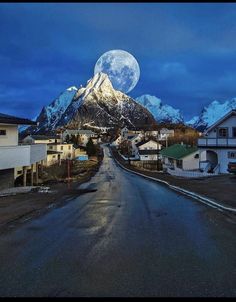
pixel 211 113
pixel 162 113
pixel 97 104
pixel 72 88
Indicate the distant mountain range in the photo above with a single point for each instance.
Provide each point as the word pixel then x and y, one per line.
pixel 100 105
pixel 207 117
pixel 211 113
pixel 161 113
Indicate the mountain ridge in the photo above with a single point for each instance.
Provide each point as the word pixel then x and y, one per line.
pixel 98 104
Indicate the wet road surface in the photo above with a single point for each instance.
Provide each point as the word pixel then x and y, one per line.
pixel 131 237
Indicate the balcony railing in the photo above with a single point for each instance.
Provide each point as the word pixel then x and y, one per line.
pixel 216 142
pixel 19 156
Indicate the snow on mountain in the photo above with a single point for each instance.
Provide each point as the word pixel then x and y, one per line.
pixel 97 104
pixel 51 114
pixel 211 113
pixel 56 109
pixel 162 113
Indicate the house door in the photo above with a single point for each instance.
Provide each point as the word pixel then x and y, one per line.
pixel 212 157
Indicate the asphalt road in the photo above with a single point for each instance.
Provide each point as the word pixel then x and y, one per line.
pixel 131 237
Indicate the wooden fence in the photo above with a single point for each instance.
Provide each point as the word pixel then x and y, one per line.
pixel 151 165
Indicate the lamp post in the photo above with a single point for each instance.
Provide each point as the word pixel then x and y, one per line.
pixel 157 150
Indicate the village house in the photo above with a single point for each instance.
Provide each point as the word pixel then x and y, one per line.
pixel 57 152
pixel 180 157
pixel 134 139
pixel 82 135
pixel 151 133
pixel 128 133
pixel 165 133
pixel 41 139
pixel 56 149
pixel 148 150
pixel 217 145
pixel 116 142
pixel 18 159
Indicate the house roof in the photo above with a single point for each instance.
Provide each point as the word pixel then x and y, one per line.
pixel 178 151
pixel 148 152
pixel 144 142
pixel 44 137
pixel 221 120
pixel 9 119
pixel 56 144
pixel 80 131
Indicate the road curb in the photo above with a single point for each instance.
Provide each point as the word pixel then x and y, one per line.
pixel 203 199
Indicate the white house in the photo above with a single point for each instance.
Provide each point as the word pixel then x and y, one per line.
pixel 148 150
pixel 17 157
pixel 218 144
pixel 41 139
pixel 165 133
pixel 84 135
pixel 116 142
pixel 134 140
pixel 180 156
pixel 57 152
pixel 128 133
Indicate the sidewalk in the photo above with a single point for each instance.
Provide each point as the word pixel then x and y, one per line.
pixel 220 190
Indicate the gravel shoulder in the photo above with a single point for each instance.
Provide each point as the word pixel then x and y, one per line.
pixel 19 208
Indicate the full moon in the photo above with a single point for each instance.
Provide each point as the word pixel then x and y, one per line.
pixel 121 67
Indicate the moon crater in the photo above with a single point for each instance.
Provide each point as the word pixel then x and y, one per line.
pixel 121 67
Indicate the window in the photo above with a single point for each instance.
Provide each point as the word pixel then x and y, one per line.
pixel 232 154
pixel 3 132
pixel 234 131
pixel 61 147
pixel 54 156
pixel 69 147
pixel 222 132
pixel 50 147
pixel 19 172
pixel 179 164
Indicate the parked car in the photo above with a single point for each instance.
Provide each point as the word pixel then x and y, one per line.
pixel 232 167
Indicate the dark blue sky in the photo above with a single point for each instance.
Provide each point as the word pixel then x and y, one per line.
pixel 186 52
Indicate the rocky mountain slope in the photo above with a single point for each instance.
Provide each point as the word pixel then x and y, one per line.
pixel 98 104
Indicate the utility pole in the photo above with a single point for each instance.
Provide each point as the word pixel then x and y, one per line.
pixel 68 172
pixel 157 150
